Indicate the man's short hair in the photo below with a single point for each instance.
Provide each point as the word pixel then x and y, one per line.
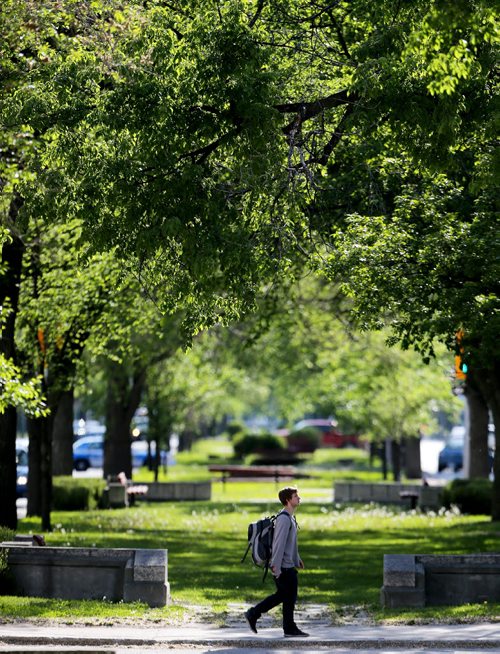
pixel 286 494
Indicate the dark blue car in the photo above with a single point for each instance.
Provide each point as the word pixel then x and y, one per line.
pixel 452 455
pixel 22 471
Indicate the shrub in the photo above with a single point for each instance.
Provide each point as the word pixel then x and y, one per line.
pixel 473 496
pixel 71 494
pixel 234 428
pixel 7 585
pixel 244 444
pixel 307 439
pixel 5 534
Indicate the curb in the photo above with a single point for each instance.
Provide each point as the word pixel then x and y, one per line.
pixel 257 643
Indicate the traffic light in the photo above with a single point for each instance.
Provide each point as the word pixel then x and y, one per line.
pixel 461 367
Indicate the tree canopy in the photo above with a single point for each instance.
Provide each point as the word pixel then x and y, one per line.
pixel 219 148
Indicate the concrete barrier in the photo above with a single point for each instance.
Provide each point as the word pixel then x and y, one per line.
pixel 440 580
pixel 179 490
pixel 115 495
pixel 428 497
pixel 90 573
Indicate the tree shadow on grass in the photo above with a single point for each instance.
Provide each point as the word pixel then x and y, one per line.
pixel 343 566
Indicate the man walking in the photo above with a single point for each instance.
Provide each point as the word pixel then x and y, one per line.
pixel 285 560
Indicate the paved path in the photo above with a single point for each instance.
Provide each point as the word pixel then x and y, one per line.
pixel 197 637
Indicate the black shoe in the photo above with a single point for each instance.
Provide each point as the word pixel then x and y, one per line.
pixel 295 632
pixel 251 619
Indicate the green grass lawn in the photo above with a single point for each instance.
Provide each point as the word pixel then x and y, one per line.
pixel 342 550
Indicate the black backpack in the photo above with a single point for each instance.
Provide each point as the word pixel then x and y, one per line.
pixel 260 541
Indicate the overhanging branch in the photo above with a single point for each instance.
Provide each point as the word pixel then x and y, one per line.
pixel 307 110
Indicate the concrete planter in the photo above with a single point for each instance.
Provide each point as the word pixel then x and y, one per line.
pixel 180 491
pixel 90 573
pixel 428 497
pixel 440 580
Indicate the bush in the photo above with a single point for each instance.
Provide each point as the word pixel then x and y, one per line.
pixel 7 586
pixel 473 496
pixel 71 494
pixel 244 444
pixel 307 439
pixel 234 428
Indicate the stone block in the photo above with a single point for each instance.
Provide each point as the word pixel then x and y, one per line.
pixel 456 579
pixel 379 493
pixel 438 580
pixel 91 573
pixel 395 598
pixel 342 492
pixel 404 582
pixel 180 491
pixel 387 493
pixel 399 570
pixel 430 497
pixel 116 495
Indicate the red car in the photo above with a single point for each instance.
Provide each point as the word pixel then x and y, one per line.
pixel 331 436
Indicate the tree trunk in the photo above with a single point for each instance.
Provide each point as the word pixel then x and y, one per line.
pixel 12 257
pixel 488 382
pixel 476 464
pixel 62 436
pixel 46 470
pixel 413 467
pixel 396 459
pixel 123 397
pixel 8 508
pixel 186 440
pixel 34 466
pixel 40 469
pixel 383 457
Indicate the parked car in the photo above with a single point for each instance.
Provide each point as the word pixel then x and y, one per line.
pixel 452 455
pixel 21 470
pixel 88 452
pixel 331 436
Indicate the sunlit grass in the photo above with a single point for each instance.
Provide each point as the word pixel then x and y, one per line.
pixel 331 456
pixel 96 611
pixel 454 614
pixel 342 548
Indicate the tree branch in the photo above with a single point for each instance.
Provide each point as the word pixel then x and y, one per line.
pixel 307 110
pixel 340 35
pixel 336 136
pixel 258 11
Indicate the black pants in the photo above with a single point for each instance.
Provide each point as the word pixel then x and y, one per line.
pixel 286 594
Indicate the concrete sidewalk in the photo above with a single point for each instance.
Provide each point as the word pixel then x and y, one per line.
pixel 484 636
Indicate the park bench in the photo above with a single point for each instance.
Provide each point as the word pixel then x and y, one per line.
pixel 121 492
pixel 239 472
pixel 132 490
pixel 411 495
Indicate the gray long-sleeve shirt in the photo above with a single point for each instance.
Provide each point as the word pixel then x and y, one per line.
pixel 285 552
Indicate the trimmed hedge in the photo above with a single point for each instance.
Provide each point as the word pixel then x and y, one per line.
pixel 7 586
pixel 244 444
pixel 77 494
pixel 307 439
pixel 234 428
pixel 472 496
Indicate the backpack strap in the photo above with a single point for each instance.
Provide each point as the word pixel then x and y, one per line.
pixel 275 518
pixel 247 550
